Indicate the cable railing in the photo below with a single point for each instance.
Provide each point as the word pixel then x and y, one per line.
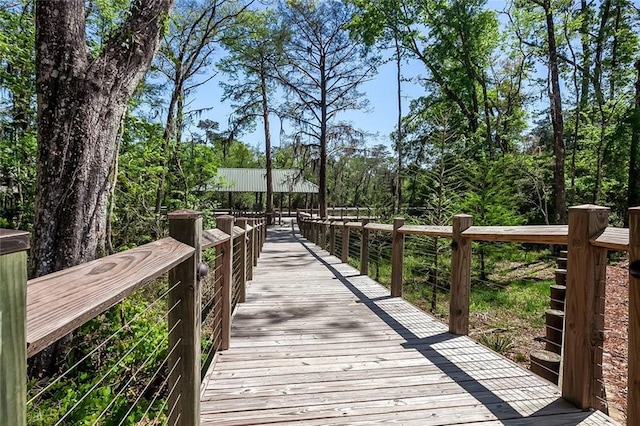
pixel 453 275
pixel 131 339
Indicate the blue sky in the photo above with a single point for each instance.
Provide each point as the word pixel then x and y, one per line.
pixel 380 91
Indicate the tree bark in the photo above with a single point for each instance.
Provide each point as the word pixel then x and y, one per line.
pixel 322 180
pixel 400 141
pixel 81 101
pixel 557 121
pixel 633 196
pixel 267 141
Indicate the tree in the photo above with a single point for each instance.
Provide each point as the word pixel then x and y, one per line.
pixel 185 54
pixel 255 50
pixel 17 115
pixel 322 72
pixel 82 97
pixel 633 196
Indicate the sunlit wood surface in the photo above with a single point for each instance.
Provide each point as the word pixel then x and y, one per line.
pixel 318 344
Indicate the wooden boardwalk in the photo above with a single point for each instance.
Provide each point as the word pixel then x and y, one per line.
pixel 318 344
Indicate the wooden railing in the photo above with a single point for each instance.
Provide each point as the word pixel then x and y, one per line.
pixel 36 313
pixel 587 237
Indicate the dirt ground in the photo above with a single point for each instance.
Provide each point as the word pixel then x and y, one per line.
pixel 616 341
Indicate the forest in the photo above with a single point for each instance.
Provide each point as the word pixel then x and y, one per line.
pixel 519 109
pixel 524 109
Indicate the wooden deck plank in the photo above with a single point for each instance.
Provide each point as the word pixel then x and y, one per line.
pixel 316 343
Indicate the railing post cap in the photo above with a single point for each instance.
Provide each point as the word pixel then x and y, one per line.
pixel 462 215
pixel 589 207
pixel 185 214
pixel 634 209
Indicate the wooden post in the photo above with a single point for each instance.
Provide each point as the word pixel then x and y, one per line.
pixel 225 224
pixel 13 327
pixel 584 307
pixel 633 381
pixel 184 319
pixel 364 248
pixel 397 258
pixel 244 243
pixel 323 235
pixel 332 239
pixel 460 276
pixel 345 242
pixel 256 242
pixel 250 248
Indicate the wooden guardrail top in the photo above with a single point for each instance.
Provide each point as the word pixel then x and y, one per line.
pixel 540 234
pixel 12 241
pixel 213 237
pixel 613 239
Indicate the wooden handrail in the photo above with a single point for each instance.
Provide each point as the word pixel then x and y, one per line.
pixel 212 238
pixel 537 234
pixel 430 231
pixel 60 302
pixel 612 239
pixel 54 305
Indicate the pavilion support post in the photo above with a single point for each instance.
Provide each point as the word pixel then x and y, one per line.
pixel 460 276
pixel 397 257
pixel 584 308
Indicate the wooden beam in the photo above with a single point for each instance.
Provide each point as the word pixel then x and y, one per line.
pixel 584 308
pixel 13 331
pixel 431 231
pixel 59 303
pixel 12 241
pixel 397 258
pixel 383 227
pixel 633 381
pixel 539 234
pixel 613 239
pixel 460 276
pixel 185 303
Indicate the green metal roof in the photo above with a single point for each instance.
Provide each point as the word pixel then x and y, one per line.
pixel 255 180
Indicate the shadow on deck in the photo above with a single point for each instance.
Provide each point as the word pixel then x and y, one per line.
pixel 317 343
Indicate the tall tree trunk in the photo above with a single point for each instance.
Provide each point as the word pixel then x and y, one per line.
pixel 167 135
pixel 583 95
pixel 81 101
pixel 599 93
pixel 267 140
pixel 557 121
pixel 633 195
pixel 400 140
pixel 322 180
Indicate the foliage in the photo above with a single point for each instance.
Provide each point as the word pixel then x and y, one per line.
pixel 107 384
